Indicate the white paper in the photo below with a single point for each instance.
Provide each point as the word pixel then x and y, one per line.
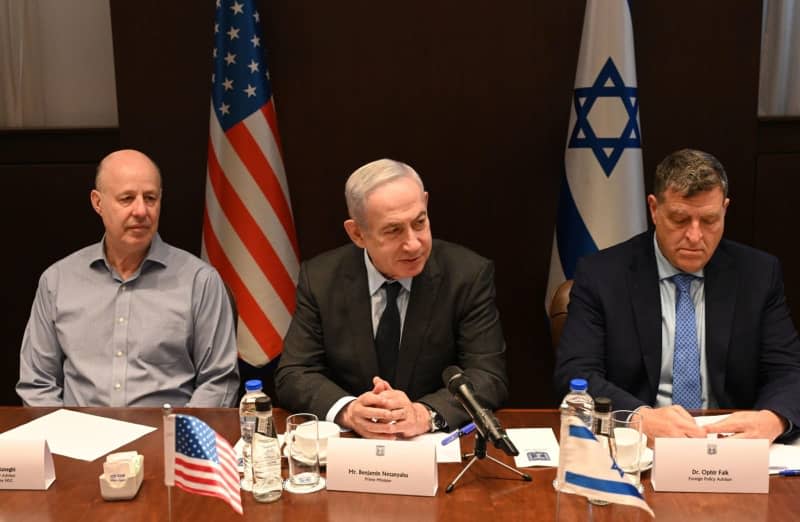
pixel 448 453
pixel 79 435
pixel 537 447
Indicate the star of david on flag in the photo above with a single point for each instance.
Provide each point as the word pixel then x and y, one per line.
pixel 607 150
pixel 601 200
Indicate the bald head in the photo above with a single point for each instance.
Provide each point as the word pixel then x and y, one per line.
pixel 124 160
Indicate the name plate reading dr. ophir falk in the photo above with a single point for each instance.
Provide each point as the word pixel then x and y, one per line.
pixel 711 465
pixel 382 466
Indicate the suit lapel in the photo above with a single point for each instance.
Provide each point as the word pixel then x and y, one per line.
pixel 359 313
pixel 424 289
pixel 646 301
pixel 720 296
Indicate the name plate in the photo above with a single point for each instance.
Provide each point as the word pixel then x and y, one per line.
pixel 711 465
pixel 25 464
pixel 382 466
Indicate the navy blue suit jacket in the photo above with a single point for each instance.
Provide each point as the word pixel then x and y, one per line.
pixel 612 335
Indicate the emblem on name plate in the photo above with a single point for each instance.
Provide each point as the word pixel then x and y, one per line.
pixel 380 451
pixel 711 449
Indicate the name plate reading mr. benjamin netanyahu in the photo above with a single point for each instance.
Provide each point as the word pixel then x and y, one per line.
pixel 711 465
pixel 382 466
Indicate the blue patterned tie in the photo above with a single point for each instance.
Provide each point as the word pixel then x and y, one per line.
pixel 686 388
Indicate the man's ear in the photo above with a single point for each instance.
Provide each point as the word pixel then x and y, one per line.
pixel 95 197
pixel 355 233
pixel 652 205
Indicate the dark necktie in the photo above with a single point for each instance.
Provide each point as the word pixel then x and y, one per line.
pixel 387 338
pixel 686 386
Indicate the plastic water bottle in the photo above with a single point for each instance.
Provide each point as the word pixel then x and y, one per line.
pixel 247 426
pixel 577 403
pixel 267 482
pixel 602 430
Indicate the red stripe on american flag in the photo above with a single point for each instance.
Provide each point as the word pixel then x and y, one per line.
pixel 232 502
pixel 250 312
pixel 261 170
pixel 250 233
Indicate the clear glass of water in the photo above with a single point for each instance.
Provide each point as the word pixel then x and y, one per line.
pixel 627 444
pixel 302 450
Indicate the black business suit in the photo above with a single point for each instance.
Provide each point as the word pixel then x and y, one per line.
pixel 329 350
pixel 613 331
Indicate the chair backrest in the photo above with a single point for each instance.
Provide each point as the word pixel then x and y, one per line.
pixel 558 311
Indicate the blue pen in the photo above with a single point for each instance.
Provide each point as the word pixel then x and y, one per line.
pixel 789 473
pixel 469 428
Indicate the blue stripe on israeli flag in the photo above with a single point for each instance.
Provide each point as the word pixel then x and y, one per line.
pixel 607 486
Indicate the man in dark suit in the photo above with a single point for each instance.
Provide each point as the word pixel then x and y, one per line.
pixel 626 330
pixel 377 321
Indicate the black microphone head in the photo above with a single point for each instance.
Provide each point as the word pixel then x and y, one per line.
pixel 454 378
pixel 449 373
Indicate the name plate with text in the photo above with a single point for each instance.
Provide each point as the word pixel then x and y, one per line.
pixel 25 464
pixel 382 466
pixel 711 465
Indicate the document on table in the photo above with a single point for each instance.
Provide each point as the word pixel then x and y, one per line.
pixel 537 447
pixel 79 435
pixel 781 456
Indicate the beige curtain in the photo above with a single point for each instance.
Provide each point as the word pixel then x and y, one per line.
pixel 779 85
pixel 21 83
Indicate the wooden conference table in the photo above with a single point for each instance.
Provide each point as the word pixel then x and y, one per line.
pixel 485 493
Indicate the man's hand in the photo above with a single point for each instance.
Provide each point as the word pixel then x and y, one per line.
pixel 670 421
pixel 384 413
pixel 763 424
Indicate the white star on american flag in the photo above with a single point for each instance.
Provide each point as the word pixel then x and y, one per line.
pixel 256 16
pixel 251 91
pixel 237 8
pixel 256 41
pixel 225 108
pixel 230 58
pixel 253 66
pixel 233 33
pixel 228 84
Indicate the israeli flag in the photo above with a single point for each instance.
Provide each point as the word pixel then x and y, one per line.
pixel 602 200
pixel 585 468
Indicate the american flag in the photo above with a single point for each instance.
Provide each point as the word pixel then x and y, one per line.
pixel 199 461
pixel 248 229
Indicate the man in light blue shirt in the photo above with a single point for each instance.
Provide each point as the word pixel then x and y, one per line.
pixel 131 320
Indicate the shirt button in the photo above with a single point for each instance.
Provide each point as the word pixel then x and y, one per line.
pixel 121 319
pixel 119 354
pixel 124 288
pixel 117 386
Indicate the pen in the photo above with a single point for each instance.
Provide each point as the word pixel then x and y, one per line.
pixel 469 428
pixel 789 473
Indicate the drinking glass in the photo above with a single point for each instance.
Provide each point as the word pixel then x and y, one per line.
pixel 627 442
pixel 302 450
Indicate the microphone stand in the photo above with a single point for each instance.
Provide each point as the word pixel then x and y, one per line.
pixel 479 453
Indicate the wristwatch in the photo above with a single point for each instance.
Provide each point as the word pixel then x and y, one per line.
pixel 437 421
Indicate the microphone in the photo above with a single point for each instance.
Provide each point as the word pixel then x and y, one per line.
pixel 488 426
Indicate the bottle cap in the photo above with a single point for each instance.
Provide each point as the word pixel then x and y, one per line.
pixel 578 384
pixel 263 403
pixel 602 405
pixel 253 385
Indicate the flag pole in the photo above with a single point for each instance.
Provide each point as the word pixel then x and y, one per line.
pixel 166 411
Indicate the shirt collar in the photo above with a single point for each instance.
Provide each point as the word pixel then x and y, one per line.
pixel 375 279
pixel 157 253
pixel 665 268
